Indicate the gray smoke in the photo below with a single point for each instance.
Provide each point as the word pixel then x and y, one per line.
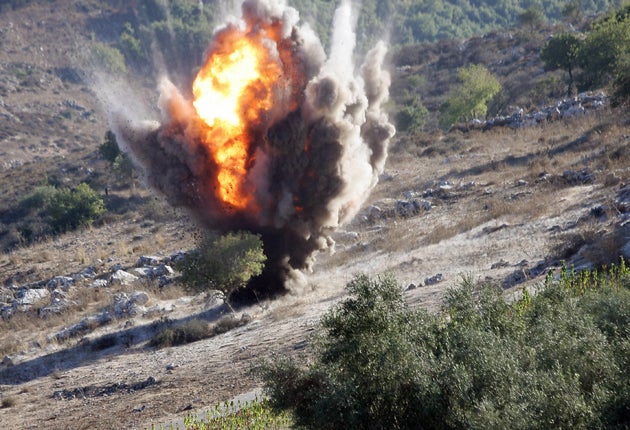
pixel 315 156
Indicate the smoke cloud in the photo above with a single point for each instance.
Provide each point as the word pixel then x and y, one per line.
pixel 317 138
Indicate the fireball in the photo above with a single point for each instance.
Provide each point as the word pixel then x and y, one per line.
pixel 233 92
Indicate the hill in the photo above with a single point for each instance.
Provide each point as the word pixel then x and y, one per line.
pixel 504 206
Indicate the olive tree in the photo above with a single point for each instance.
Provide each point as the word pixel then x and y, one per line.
pixel 225 263
pixel 561 52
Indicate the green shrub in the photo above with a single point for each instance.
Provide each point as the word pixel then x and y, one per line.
pixel 77 207
pixel 109 149
pixel 224 264
pixel 109 58
pixel 40 198
pixel 470 98
pixel 254 415
pixel 412 117
pixel 558 359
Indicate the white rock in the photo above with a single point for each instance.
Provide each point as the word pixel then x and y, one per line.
pixel 123 278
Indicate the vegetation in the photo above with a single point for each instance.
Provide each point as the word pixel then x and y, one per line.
pixel 555 359
pixel 470 98
pixel 65 209
pixel 108 58
pixel 254 415
pixel 561 52
pixel 420 22
pixel 190 331
pixel 76 207
pixel 225 263
pixel 194 330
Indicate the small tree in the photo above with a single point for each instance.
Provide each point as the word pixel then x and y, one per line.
pixel 561 52
pixel 109 58
pixel 469 99
pixel 572 10
pixel 605 49
pixel 226 263
pixel 532 17
pixel 109 149
pixel 411 117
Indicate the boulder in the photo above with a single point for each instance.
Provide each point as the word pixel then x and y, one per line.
pixel 62 282
pixel 29 296
pixel 99 283
pixel 434 279
pixel 87 273
pixel 148 260
pixel 122 278
pixel 125 306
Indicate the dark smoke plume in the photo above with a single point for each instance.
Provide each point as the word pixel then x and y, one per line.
pixel 315 154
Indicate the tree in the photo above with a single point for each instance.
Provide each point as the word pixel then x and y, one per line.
pixel 469 99
pixel 226 263
pixel 621 85
pixel 531 17
pixel 561 52
pixel 603 52
pixel 572 10
pixel 109 149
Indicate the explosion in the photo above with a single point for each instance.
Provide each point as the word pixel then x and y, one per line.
pixel 277 138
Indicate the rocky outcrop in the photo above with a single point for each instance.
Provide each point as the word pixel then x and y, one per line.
pixel 580 105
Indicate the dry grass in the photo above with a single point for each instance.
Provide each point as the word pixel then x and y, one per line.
pixel 8 402
pixel 291 309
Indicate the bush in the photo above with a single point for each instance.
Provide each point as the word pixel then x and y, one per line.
pixel 40 198
pixel 225 264
pixel 77 207
pixel 109 58
pixel 555 360
pixel 471 97
pixel 109 149
pixel 412 117
pixel 190 331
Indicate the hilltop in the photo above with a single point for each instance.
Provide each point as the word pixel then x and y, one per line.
pixel 504 206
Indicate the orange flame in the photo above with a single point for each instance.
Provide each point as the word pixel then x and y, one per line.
pixel 232 93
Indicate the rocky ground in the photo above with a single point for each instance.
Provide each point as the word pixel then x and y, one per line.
pixel 505 206
pixel 504 201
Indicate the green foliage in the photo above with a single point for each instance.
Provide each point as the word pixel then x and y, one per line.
pixel 547 88
pixel 572 10
pixel 604 51
pixel 130 45
pixel 77 207
pixel 109 149
pixel 226 263
pixel 561 52
pixel 254 415
pixel 469 99
pixel 124 167
pixel 557 359
pixel 40 198
pixel 412 117
pixel 621 85
pixel 532 17
pixel 414 22
pixel 109 58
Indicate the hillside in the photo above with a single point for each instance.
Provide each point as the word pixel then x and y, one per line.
pixel 503 206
